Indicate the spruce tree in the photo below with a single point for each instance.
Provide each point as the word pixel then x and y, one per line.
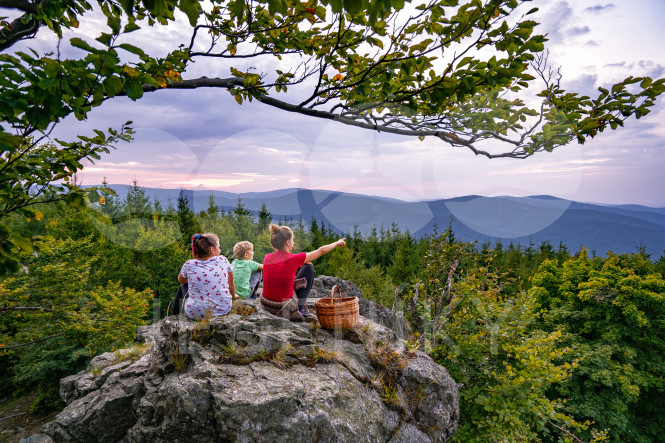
pixel 109 204
pixel 265 217
pixel 186 218
pixel 137 204
pixel 213 210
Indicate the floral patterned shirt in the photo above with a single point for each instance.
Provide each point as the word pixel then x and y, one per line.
pixel 208 284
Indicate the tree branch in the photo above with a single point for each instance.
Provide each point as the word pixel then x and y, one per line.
pixel 4 348
pixel 21 5
pixel 202 82
pixel 446 296
pixel 446 136
pixel 570 434
pixel 18 30
pixel 25 308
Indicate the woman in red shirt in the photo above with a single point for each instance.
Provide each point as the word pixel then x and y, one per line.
pixel 280 269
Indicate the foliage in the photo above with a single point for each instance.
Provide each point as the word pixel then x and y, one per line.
pixel 371 281
pixel 425 66
pixel 33 173
pixel 488 320
pixel 53 302
pixel 613 310
pixel 505 368
pixel 186 219
pixel 422 71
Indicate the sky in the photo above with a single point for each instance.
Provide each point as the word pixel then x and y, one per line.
pixel 202 139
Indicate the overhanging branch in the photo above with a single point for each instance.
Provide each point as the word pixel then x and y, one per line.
pixel 359 119
pixel 18 30
pixel 21 5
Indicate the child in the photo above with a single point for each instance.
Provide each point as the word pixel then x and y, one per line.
pixel 279 274
pixel 209 277
pixel 246 272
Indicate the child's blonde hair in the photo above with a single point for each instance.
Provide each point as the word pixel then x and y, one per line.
pixel 241 248
pixel 279 235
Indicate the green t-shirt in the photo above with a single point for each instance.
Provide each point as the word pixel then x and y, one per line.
pixel 242 270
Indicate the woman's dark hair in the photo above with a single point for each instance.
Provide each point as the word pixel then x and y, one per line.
pixel 279 235
pixel 201 244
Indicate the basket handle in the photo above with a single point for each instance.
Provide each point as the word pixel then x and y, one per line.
pixel 332 291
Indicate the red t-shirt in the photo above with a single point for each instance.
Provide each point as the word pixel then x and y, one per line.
pixel 279 273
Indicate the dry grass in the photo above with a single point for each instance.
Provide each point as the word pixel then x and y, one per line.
pixel 279 358
pixel 240 308
pixel 319 355
pixel 201 332
pixel 178 358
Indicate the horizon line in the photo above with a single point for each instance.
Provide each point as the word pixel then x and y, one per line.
pixel 426 200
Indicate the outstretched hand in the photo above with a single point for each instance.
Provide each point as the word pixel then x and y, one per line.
pixel 341 242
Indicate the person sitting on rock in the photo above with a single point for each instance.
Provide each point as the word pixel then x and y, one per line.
pixel 246 272
pixel 209 277
pixel 281 269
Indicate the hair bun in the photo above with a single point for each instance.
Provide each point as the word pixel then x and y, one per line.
pixel 274 229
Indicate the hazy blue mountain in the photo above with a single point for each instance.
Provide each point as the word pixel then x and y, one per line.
pixel 524 220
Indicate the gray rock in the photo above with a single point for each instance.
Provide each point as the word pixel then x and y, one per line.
pixel 258 377
pixel 37 438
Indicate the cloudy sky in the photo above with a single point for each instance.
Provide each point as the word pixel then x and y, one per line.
pixel 203 140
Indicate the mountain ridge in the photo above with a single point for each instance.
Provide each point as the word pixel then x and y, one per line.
pixel 524 220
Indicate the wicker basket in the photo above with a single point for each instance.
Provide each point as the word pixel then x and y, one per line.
pixel 341 312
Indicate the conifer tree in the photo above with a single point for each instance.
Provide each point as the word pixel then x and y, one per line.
pixel 213 210
pixel 137 204
pixel 186 218
pixel 265 218
pixel 109 203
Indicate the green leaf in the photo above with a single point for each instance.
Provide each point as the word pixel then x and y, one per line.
pixel 238 9
pixel 104 39
pixel 149 5
pixel 192 9
pixel 93 196
pixel 353 7
pixel 133 89
pixel 337 6
pixel 131 27
pixel 275 6
pixel 81 44
pixel 128 6
pixel 112 85
pixel 114 23
pixel 131 48
pixel 25 243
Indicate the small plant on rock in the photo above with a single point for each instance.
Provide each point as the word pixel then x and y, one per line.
pixel 279 359
pixel 178 358
pixel 201 332
pixel 242 309
pixel 324 355
pixel 390 395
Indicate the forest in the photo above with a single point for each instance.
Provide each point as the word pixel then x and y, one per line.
pixel 547 344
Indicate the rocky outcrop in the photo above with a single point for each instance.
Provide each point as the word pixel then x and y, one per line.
pixel 251 376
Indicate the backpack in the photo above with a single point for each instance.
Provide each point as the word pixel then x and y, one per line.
pixel 178 304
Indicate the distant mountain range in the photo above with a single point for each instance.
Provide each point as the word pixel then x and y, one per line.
pixel 620 228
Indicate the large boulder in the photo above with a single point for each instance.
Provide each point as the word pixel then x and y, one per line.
pixel 251 376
